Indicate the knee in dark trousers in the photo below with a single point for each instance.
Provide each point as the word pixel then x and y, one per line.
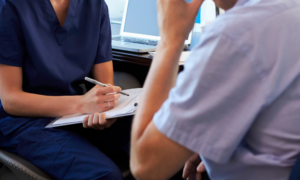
pixel 66 155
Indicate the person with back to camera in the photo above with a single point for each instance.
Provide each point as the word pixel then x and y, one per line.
pixel 47 47
pixel 236 103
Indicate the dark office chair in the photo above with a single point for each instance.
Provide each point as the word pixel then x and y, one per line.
pixel 15 167
pixel 295 175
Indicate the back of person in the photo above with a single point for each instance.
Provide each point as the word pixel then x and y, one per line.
pixel 236 103
pixel 268 33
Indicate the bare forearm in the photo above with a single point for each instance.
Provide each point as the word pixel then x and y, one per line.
pixel 152 153
pixel 19 103
pixel 161 78
pixel 104 72
pixel 33 105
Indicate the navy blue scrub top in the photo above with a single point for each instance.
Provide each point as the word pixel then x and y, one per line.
pixel 54 58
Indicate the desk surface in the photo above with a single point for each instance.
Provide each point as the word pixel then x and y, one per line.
pixel 145 59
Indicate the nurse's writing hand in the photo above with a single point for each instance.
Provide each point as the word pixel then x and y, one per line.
pixel 119 96
pixel 193 167
pixel 99 99
pixel 97 121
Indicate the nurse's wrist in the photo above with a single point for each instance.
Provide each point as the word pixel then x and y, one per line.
pixel 79 105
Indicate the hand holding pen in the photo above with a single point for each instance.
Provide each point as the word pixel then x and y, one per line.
pixel 99 99
pixel 101 84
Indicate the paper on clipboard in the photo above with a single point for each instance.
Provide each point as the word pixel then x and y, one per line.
pixel 124 107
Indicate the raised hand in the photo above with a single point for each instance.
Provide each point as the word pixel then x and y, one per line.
pixel 176 18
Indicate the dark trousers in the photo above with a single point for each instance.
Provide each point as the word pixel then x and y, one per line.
pixel 71 152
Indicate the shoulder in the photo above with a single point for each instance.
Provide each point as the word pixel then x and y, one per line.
pixel 7 9
pixel 16 3
pixel 249 17
pixel 92 6
pixel 261 30
pixel 18 6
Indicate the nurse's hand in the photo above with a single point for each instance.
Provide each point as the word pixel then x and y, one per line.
pixel 193 167
pixel 99 99
pixel 97 121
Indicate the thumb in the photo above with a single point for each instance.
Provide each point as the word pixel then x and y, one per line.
pixel 201 167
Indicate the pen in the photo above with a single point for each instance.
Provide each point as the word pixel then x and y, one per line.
pixel 101 84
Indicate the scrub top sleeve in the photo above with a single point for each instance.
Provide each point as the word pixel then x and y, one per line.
pixel 12 43
pixel 215 100
pixel 104 52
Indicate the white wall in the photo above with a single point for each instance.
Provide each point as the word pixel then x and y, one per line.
pixel 116 9
pixel 208 14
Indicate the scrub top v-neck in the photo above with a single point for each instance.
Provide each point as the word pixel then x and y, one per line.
pixel 60 31
pixel 54 58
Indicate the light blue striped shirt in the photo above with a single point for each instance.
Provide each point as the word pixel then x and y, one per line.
pixel 237 102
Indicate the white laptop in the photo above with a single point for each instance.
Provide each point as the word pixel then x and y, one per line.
pixel 139 31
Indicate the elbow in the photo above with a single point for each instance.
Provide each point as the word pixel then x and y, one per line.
pixel 140 172
pixel 9 106
pixel 138 162
pixel 135 166
pixel 140 166
pixel 136 170
pixel 143 173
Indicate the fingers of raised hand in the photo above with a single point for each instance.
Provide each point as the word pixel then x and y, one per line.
pixel 190 167
pixel 195 158
pixel 201 167
pixel 188 170
pixel 198 176
pixel 195 175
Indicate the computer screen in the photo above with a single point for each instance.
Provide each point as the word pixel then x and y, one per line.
pixel 141 17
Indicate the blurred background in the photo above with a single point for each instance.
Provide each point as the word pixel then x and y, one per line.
pixel 207 14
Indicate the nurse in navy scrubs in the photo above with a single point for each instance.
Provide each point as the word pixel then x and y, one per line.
pixel 47 47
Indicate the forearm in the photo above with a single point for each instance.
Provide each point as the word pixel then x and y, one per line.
pixel 145 136
pixel 33 105
pixel 104 72
pixel 19 103
pixel 161 78
pixel 152 153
